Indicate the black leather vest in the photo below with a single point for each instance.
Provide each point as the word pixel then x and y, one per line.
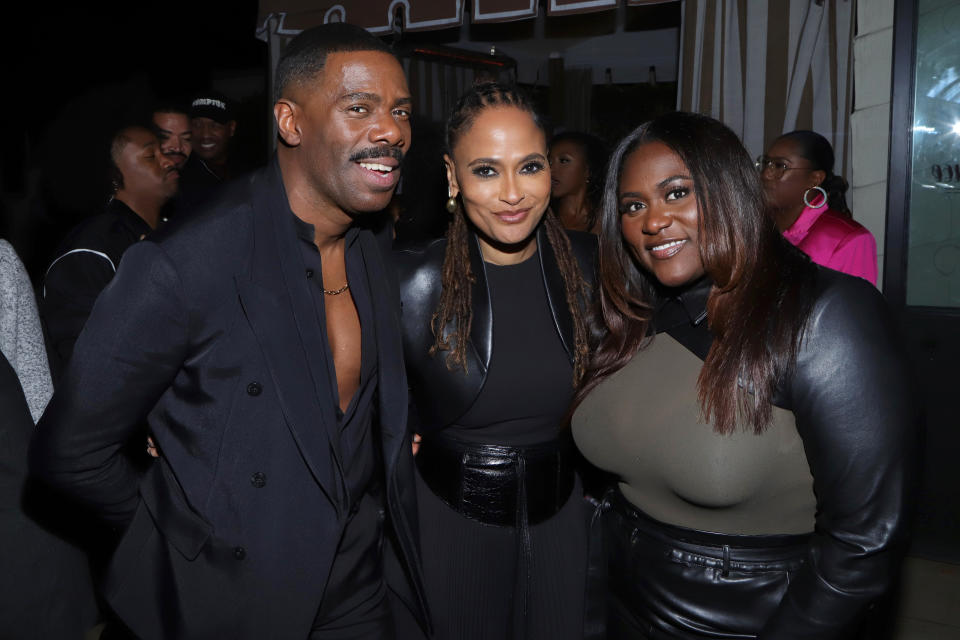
pixel 442 395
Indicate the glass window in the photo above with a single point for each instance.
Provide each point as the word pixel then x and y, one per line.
pixel 933 254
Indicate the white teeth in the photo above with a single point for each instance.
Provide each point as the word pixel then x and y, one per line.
pixel 375 166
pixel 667 245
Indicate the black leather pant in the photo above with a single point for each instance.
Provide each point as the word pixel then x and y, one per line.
pixel 670 582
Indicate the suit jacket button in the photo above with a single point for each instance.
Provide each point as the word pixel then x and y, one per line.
pixel 254 389
pixel 239 553
pixel 258 480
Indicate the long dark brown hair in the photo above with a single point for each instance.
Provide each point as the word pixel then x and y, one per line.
pixel 457 277
pixel 760 297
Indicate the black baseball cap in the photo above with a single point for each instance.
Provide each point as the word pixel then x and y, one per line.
pixel 213 105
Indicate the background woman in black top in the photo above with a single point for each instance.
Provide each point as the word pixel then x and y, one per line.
pixel 755 407
pixel 577 163
pixel 495 341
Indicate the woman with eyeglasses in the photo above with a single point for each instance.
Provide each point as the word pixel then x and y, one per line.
pixel 807 202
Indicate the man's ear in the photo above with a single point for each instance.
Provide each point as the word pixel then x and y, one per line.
pixel 452 184
pixel 233 127
pixel 286 113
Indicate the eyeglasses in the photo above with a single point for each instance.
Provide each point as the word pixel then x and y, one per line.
pixel 776 167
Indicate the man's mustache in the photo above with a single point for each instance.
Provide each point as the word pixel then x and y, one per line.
pixel 378 152
pixel 174 153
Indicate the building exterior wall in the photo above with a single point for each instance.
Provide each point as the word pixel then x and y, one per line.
pixel 870 120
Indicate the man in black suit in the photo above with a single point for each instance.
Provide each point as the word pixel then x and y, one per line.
pixel 261 339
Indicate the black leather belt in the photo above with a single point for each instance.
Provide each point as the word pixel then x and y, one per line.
pixel 505 486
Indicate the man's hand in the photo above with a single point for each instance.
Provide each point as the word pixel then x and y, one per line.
pixel 416 443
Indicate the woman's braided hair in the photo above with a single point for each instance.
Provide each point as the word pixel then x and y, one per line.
pixel 457 277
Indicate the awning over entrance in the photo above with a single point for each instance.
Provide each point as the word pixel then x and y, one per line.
pixel 380 16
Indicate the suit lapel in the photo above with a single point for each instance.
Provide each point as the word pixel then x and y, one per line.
pixel 277 302
pixel 393 395
pixel 391 375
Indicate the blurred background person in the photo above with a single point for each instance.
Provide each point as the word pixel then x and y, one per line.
pixel 171 123
pixel 213 127
pixel 172 126
pixel 807 202
pixel 142 181
pixel 577 162
pixel 211 164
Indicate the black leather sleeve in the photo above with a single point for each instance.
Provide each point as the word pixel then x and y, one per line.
pixel 855 410
pixel 439 395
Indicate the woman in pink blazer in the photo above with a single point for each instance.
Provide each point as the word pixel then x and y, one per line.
pixel 807 202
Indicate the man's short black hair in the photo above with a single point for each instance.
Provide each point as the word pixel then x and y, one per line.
pixel 306 54
pixel 118 140
pixel 172 106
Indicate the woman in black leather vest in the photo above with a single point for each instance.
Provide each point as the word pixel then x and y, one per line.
pixel 755 407
pixel 495 341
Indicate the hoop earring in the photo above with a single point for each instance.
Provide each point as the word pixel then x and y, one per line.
pixel 823 201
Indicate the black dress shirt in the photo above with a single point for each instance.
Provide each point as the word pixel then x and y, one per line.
pixel 355 425
pixel 355 596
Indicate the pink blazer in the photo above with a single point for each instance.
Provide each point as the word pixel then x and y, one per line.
pixel 836 242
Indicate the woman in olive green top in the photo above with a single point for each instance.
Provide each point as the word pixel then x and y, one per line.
pixel 754 406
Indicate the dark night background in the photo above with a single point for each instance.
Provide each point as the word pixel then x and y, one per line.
pixel 74 72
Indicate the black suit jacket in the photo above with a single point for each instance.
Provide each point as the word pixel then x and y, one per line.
pixel 209 329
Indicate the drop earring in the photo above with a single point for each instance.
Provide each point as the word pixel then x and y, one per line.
pixel 451 202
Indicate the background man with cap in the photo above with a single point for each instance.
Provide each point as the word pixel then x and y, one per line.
pixel 213 125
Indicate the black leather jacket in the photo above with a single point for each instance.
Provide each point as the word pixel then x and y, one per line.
pixel 442 396
pixel 855 411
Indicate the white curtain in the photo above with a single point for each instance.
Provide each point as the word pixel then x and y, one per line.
pixel 768 67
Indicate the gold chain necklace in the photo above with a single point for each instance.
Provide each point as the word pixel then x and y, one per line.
pixel 336 292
